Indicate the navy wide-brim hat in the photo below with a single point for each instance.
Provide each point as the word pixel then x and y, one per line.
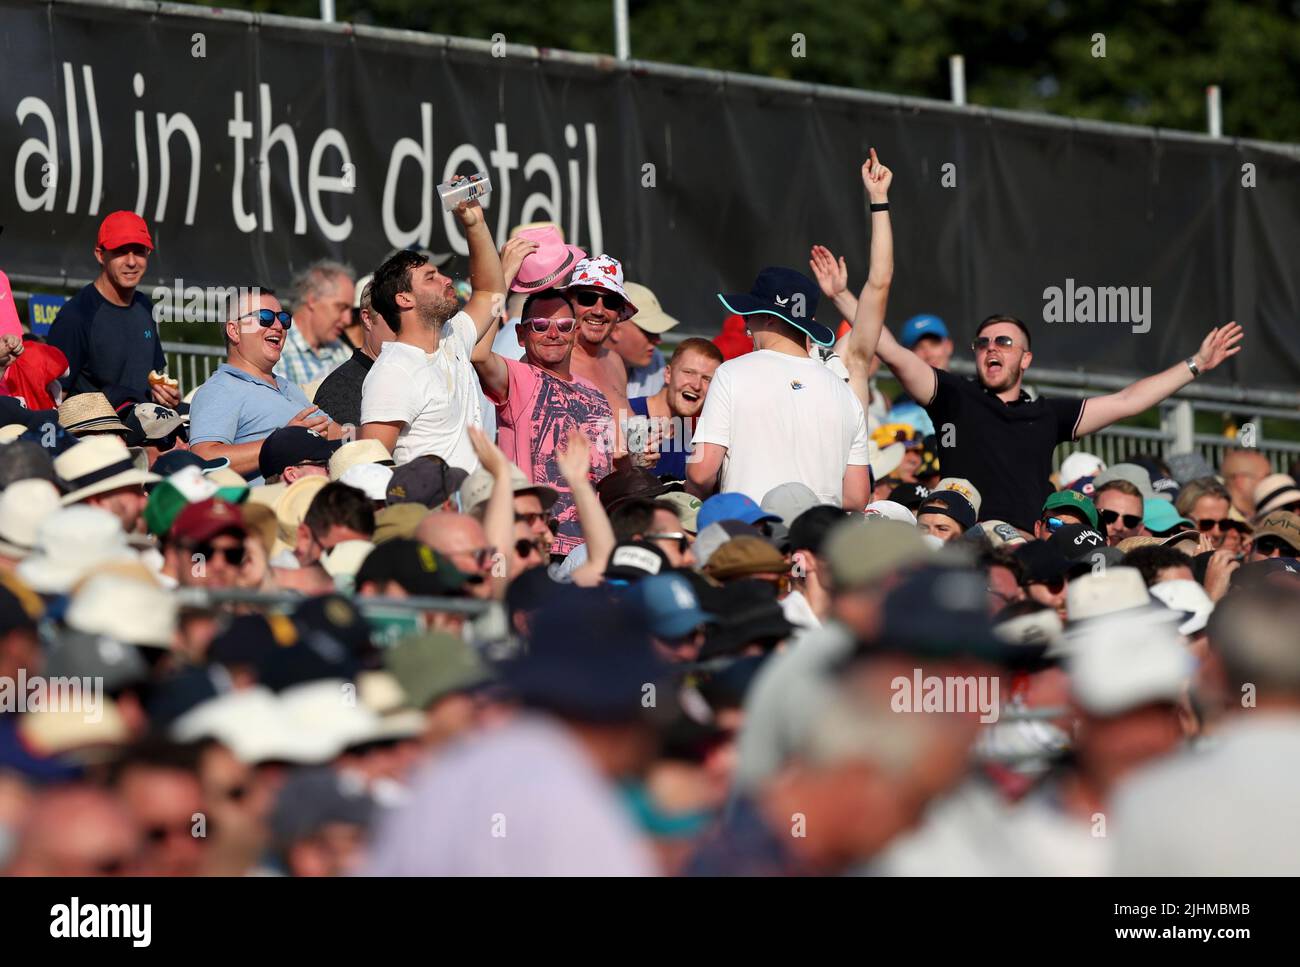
pixel 789 295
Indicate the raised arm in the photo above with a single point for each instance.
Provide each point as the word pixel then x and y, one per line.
pixel 1102 411
pixel 487 301
pixel 868 311
pixel 499 515
pixel 491 369
pixel 574 462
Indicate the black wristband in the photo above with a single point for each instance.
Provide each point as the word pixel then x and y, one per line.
pixel 880 206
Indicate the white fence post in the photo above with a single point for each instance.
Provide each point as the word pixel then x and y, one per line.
pixel 1181 422
pixel 957 78
pixel 622 42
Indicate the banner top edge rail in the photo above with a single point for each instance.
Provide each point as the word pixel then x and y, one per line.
pixel 607 63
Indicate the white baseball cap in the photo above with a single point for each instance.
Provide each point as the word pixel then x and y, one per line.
pixel 370 478
pixel 1187 598
pixel 892 510
pixel 1078 465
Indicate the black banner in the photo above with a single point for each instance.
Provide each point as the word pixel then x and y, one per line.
pixel 255 147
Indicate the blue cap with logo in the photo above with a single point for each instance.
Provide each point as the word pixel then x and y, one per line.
pixel 918 327
pixel 731 506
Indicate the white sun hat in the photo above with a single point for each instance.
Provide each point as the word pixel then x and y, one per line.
pixel 1118 665
pixel 24 505
pixel 72 542
pixel 256 727
pixel 127 609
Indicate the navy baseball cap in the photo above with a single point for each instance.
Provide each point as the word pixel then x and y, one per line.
pixel 174 460
pixel 292 445
pixel 671 607
pixel 918 327
pixel 940 612
pixel 731 506
pixel 789 295
pixel 589 657
pixel 951 504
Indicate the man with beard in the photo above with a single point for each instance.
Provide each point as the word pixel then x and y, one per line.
pixel 675 408
pixel 420 395
pixel 599 302
pixel 1003 439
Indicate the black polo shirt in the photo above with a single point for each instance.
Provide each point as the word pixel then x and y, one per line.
pixel 339 394
pixel 1004 449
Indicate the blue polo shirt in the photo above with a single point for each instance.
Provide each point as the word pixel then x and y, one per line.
pixel 236 407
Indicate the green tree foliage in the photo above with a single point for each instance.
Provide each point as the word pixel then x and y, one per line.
pixel 1035 55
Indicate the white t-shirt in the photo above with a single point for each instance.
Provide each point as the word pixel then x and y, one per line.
pixel 435 394
pixel 783 418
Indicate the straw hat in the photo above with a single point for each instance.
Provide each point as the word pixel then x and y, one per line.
pixel 97 465
pixel 358 452
pixel 291 508
pixel 89 413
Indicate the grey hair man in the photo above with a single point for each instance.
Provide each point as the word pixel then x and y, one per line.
pixel 321 303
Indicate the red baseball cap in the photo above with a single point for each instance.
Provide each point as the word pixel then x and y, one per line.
pixel 124 228
pixel 206 519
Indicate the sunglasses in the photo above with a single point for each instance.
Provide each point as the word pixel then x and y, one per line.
pixel 1268 546
pixel 1226 524
pixel 683 540
pixel 525 549
pixel 268 317
pixel 1053 523
pixel 542 326
pixel 981 343
pixel 234 556
pixel 589 297
pixel 1108 517
pixel 482 556
pixel 531 519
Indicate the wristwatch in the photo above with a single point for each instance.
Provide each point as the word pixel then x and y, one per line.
pixel 1191 364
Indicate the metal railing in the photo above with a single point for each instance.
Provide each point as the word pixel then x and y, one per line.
pixel 192 364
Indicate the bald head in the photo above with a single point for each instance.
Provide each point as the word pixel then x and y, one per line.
pixel 1242 470
pixel 460 538
pixel 77 831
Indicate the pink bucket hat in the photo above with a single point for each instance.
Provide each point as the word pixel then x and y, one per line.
pixel 602 272
pixel 550 264
pixel 9 323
